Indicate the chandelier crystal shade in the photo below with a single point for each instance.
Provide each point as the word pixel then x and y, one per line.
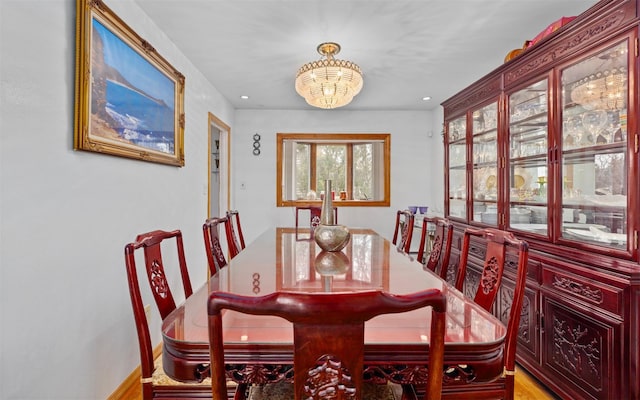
pixel 329 83
pixel 603 90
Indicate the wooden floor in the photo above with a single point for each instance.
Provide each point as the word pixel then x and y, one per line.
pixel 527 388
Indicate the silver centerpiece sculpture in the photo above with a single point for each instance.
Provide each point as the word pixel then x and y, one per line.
pixel 328 235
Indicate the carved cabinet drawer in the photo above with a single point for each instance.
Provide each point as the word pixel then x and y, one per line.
pixel 533 267
pixel 596 293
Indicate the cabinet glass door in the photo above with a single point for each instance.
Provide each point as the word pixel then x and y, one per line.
pixel 457 148
pixel 594 149
pixel 485 164
pixel 528 145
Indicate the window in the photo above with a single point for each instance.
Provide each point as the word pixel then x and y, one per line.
pixel 357 164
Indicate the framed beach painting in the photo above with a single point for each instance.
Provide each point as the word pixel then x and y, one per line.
pixel 129 99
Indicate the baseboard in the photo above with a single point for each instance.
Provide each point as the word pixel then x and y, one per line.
pixel 129 385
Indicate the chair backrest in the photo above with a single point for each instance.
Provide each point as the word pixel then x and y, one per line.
pixel 490 281
pixel 439 237
pixel 154 265
pixel 215 254
pixel 403 231
pixel 233 229
pixel 328 329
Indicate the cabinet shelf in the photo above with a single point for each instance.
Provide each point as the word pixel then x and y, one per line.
pixel 572 204
pixel 485 164
pixel 529 161
pixel 515 203
pixel 487 132
pixel 531 121
pixel 590 151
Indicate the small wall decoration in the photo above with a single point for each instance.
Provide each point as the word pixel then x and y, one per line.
pixel 129 99
pixel 256 145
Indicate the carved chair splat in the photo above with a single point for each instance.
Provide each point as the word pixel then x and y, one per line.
pixel 233 230
pixel 215 254
pixel 440 252
pixel 403 231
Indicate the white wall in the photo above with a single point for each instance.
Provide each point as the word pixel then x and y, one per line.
pixel 66 327
pixel 416 169
pixel 66 324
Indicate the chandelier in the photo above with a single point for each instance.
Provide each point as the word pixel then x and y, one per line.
pixel 603 90
pixel 329 83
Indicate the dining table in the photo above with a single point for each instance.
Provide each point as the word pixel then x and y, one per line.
pixel 288 259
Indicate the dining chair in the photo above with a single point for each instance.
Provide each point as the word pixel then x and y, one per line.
pixel 233 229
pixel 215 254
pixel 403 231
pixel 155 383
pixel 328 341
pixel 437 233
pixel 498 243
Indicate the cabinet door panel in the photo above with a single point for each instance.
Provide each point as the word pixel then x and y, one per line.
pixel 528 158
pixel 457 168
pixel 594 149
pixel 581 351
pixel 485 164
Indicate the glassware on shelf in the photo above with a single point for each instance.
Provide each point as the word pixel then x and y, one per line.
pixel 542 190
pixel 572 131
pixel 593 121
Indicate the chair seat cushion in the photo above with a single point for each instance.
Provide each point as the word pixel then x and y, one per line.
pixel 284 391
pixel 159 378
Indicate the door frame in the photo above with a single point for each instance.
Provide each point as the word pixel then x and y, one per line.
pixel 224 166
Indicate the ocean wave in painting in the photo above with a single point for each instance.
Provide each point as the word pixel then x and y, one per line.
pixel 140 119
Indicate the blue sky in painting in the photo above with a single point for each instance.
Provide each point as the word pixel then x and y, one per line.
pixel 135 68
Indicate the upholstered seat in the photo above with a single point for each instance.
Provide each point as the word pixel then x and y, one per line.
pixel 284 391
pixel 160 378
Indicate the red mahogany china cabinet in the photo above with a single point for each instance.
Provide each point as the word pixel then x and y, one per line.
pixel 546 146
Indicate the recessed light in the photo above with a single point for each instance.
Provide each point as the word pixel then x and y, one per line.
pixel 426 98
pixel 244 97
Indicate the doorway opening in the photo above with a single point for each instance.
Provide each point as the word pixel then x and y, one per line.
pixel 219 167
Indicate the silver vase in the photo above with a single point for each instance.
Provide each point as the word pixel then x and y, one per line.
pixel 328 235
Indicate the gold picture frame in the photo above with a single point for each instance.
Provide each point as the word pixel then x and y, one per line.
pixel 129 99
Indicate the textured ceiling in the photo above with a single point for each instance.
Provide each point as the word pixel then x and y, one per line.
pixel 407 49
